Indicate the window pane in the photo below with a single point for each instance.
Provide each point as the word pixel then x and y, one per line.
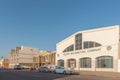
pixel 85 63
pixel 85 45
pixel 69 48
pixel 78 41
pixel 61 63
pixel 90 44
pixel 97 44
pixel 105 62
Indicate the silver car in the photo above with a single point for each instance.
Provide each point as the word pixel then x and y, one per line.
pixel 43 69
pixel 62 70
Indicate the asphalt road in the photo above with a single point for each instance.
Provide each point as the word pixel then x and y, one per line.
pixel 33 75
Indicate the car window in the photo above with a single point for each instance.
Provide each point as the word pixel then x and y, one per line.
pixel 45 67
pixel 62 68
pixel 17 66
pixel 56 67
pixel 59 67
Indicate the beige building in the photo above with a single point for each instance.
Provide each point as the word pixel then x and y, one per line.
pixel 44 58
pixel 22 56
pixel 91 50
pixel 1 63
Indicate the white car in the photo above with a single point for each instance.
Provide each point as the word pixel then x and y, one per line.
pixel 43 69
pixel 62 70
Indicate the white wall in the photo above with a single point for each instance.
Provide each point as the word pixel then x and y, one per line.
pixel 104 36
pixel 119 65
pixel 108 36
pixel 64 44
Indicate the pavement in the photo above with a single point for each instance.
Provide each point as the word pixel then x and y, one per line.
pixel 100 73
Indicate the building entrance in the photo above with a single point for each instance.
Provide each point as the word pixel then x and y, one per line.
pixel 71 63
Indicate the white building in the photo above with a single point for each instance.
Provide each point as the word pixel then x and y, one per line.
pixel 22 56
pixel 91 50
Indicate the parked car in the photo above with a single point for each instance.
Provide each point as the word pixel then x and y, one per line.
pixel 43 69
pixel 24 67
pixel 59 69
pixel 17 67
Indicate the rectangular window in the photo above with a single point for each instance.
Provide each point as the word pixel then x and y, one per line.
pixel 78 41
pixel 85 63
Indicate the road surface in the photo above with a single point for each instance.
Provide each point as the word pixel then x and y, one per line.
pixel 33 75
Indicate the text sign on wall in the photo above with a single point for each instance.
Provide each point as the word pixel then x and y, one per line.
pixel 72 62
pixel 83 51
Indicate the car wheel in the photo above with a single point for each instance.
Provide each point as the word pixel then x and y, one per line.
pixel 64 72
pixel 44 70
pixel 40 71
pixel 54 72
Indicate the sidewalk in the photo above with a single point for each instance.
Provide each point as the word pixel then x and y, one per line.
pixel 98 73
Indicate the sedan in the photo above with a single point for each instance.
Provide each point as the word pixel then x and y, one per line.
pixel 43 69
pixel 62 70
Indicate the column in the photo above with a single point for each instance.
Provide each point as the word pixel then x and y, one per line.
pixel 66 63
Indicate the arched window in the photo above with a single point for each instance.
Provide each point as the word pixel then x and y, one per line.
pixel 61 62
pixel 69 48
pixel 91 44
pixel 104 62
pixel 85 62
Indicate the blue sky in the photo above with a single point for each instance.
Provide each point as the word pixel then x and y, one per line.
pixel 43 23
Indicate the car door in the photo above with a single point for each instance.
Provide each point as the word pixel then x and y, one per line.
pixel 61 70
pixel 58 69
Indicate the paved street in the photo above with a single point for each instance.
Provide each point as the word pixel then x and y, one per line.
pixel 33 75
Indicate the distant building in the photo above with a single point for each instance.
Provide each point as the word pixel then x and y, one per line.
pixel 37 60
pixel 22 56
pixel 44 58
pixel 4 63
pixel 91 50
pixel 1 62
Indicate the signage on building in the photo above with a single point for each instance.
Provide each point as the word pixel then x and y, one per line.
pixel 83 51
pixel 109 48
pixel 72 62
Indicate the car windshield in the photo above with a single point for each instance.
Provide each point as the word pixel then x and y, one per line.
pixel 59 67
pixel 62 68
pixel 17 65
pixel 44 67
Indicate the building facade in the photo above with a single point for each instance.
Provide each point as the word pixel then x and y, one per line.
pixel 22 56
pixel 4 63
pixel 37 60
pixel 44 58
pixel 1 63
pixel 91 50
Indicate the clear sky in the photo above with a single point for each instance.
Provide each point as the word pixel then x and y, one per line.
pixel 43 23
